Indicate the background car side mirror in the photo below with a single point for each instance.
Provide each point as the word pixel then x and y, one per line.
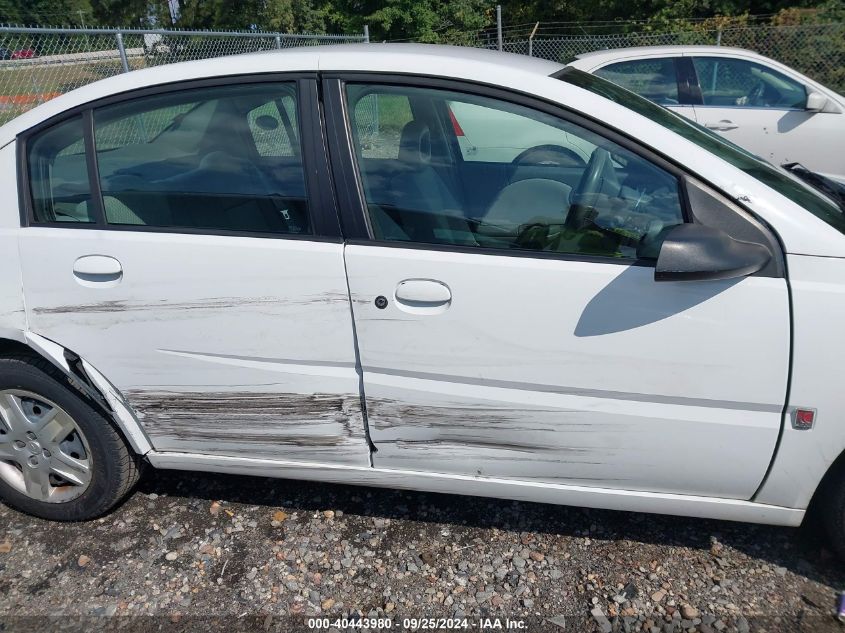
pixel 694 252
pixel 816 102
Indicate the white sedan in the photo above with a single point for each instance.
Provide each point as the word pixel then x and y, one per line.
pixel 290 264
pixel 762 105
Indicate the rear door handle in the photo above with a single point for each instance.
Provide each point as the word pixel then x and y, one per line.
pixel 422 296
pixel 97 270
pixel 721 126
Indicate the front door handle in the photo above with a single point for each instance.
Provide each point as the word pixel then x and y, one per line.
pixel 721 126
pixel 97 270
pixel 422 296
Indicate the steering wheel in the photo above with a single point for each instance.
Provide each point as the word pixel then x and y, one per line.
pixel 754 96
pixel 552 155
pixel 595 182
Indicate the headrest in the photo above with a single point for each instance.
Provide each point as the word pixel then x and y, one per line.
pixel 415 143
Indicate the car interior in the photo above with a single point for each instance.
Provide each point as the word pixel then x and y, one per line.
pixel 208 163
pixel 617 204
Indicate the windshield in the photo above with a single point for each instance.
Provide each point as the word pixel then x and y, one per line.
pixel 761 170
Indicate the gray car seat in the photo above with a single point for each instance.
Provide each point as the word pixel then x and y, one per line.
pixel 419 189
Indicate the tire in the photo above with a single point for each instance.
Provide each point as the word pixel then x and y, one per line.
pixel 832 506
pixel 111 468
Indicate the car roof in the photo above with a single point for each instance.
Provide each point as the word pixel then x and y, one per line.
pixel 635 51
pixel 455 62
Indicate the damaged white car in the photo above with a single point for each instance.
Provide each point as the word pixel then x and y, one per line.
pixel 302 265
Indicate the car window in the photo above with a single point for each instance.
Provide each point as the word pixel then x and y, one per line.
pixel 736 82
pixel 535 197
pixel 210 158
pixel 778 179
pixel 58 174
pixel 474 126
pixel 654 79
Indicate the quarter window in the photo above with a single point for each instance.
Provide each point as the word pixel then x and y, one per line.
pixel 223 158
pixel 736 82
pixel 654 79
pixel 58 174
pixel 480 172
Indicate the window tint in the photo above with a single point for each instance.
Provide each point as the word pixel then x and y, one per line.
pixel 654 79
pixel 58 174
pixel 735 82
pixel 534 183
pixel 211 158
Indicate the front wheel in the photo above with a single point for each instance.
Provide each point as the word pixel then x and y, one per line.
pixel 60 458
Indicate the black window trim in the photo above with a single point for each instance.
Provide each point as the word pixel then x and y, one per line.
pixel 321 203
pixel 689 90
pixel 350 192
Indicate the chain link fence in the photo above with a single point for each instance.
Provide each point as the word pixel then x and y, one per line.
pixel 38 64
pixel 816 50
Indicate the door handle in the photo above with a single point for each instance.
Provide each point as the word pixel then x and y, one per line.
pixel 722 126
pixel 422 296
pixel 97 270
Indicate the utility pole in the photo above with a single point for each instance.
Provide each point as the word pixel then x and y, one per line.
pixel 499 24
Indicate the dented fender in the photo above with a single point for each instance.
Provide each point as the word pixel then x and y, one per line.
pixel 108 395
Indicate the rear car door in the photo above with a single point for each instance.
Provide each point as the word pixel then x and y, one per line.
pixel 180 240
pixel 513 329
pixel 764 111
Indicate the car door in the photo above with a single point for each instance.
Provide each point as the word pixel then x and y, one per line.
pixel 173 240
pixel 664 80
pixel 529 340
pixel 764 111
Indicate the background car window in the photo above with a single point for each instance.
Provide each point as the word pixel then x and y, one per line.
pixel 526 187
pixel 210 158
pixel 654 79
pixel 58 174
pixel 736 82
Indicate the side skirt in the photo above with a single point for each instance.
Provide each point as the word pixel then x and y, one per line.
pixel 588 497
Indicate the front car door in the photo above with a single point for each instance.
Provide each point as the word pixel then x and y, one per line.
pixel 764 111
pixel 514 329
pixel 173 240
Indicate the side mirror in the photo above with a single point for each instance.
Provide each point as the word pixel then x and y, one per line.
pixel 816 102
pixel 694 252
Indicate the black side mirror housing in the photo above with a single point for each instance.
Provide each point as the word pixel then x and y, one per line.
pixel 694 252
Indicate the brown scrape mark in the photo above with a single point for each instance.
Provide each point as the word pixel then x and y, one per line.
pixel 210 303
pixel 249 418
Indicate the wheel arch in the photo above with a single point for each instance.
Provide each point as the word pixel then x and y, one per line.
pixel 85 379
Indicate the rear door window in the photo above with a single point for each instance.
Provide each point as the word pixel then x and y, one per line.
pixel 58 174
pixel 223 158
pixel 654 79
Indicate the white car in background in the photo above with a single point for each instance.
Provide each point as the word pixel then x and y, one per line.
pixel 760 104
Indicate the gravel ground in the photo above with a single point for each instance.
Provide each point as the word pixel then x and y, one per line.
pixel 195 552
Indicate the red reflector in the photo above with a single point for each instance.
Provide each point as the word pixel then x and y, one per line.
pixel 804 418
pixel 455 125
